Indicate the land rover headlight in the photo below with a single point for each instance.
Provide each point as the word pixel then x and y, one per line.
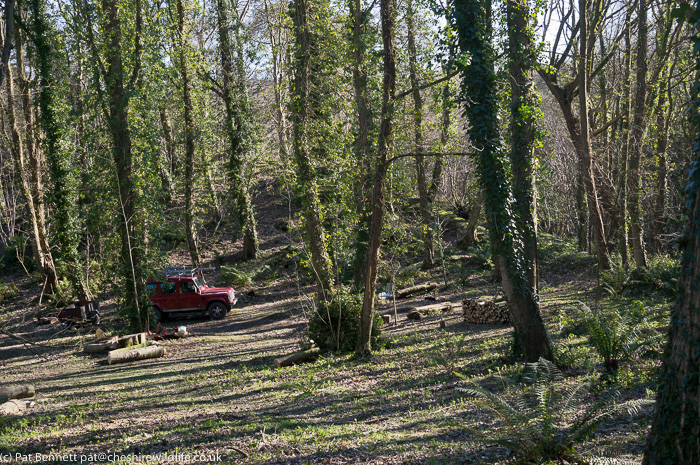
pixel 231 296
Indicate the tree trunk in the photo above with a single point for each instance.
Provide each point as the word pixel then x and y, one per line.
pixel 118 122
pixel 165 168
pixel 675 426
pixel 624 160
pixel 584 149
pixel 426 216
pixel 436 181
pixel 43 257
pixel 62 194
pixel 362 142
pixel 183 41
pixel 311 209
pixel 663 117
pixel 472 21
pixel 523 99
pixel 388 18
pixel 238 125
pixel 637 136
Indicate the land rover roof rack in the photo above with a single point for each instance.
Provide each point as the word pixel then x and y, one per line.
pixel 185 270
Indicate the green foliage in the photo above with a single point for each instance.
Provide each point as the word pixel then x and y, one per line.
pixel 8 292
pixel 232 276
pixel 561 254
pixel 308 385
pixel 543 424
pixel 63 295
pixel 610 332
pixel 333 325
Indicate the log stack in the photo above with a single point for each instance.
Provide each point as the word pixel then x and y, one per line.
pixel 485 312
pixel 10 396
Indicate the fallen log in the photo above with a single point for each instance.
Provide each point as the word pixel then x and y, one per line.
pixel 19 391
pixel 132 355
pixel 418 289
pixel 102 346
pixel 43 321
pixel 434 309
pixel 485 312
pixel 297 357
pixel 13 407
pixel 132 340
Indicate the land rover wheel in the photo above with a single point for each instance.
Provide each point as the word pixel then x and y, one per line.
pixel 158 316
pixel 217 310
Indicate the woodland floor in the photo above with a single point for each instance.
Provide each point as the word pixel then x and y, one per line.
pixel 219 392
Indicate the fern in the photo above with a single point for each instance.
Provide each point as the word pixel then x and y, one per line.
pixel 610 333
pixel 545 426
pixel 232 276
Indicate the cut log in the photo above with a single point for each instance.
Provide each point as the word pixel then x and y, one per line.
pixel 132 355
pixel 485 312
pixel 414 315
pixel 297 357
pixel 43 321
pixel 443 325
pixel 19 391
pixel 434 309
pixel 413 290
pixel 102 346
pixel 386 319
pixel 132 340
pixel 12 407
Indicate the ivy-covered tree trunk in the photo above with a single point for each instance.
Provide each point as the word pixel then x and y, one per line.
pixel 35 162
pixel 424 201
pixel 365 123
pixel 388 18
pixel 7 44
pixel 63 193
pixel 637 136
pixel 238 124
pixel 663 117
pixel 42 254
pixel 523 114
pixel 472 22
pixel 623 235
pixel 300 106
pixel 675 426
pixel 118 95
pixel 183 42
pixel 166 163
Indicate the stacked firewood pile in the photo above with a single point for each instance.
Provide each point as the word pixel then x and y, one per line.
pixel 485 312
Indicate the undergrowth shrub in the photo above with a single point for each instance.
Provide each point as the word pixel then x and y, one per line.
pixel 229 275
pixel 544 424
pixel 661 275
pixel 8 292
pixel 333 325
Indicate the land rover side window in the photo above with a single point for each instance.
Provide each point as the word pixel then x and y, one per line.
pixel 151 289
pixel 187 286
pixel 167 288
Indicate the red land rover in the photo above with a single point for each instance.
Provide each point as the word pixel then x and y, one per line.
pixel 182 291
